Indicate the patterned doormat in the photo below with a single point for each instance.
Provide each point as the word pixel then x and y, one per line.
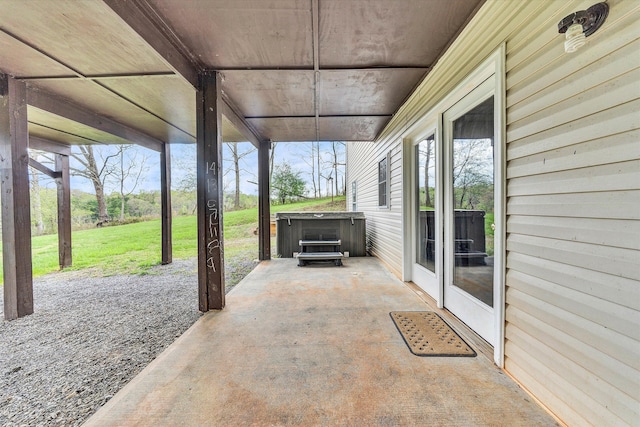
pixel 427 334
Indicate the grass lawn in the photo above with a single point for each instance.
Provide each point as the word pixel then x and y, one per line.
pixel 133 248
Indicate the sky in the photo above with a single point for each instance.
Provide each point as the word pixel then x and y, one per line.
pixel 297 154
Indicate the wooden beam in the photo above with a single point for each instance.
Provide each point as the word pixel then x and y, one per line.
pixel 264 202
pixel 348 67
pixel 63 108
pixel 211 290
pixel 166 214
pixel 42 168
pixel 64 211
pixel 149 25
pixel 96 79
pixel 49 146
pixel 16 212
pixel 142 19
pixel 230 112
pixel 111 76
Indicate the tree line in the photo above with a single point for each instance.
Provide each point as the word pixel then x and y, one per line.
pixel 118 173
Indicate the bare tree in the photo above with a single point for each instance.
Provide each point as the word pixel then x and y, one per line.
pixel 337 149
pixel 333 165
pixel 96 172
pixel 311 161
pixel 426 152
pixel 318 171
pixel 36 201
pixel 130 172
pixel 236 157
pixel 272 157
pixel 36 179
pixel 186 164
pixel 472 168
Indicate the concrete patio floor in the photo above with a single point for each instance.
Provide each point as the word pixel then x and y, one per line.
pixel 311 346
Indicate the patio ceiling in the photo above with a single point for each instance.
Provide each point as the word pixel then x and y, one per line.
pixel 292 70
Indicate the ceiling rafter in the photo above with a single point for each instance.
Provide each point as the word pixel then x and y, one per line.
pixel 320 116
pixel 135 104
pixel 142 18
pixel 35 48
pixel 76 75
pixel 332 68
pixel 58 106
pixel 103 76
pixel 230 112
pixel 89 141
pixel 309 72
pixel 48 145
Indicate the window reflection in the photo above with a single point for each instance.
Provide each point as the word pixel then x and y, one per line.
pixel 426 185
pixel 473 201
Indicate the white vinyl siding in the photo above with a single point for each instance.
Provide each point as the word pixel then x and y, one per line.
pixel 384 225
pixel 573 179
pixel 573 200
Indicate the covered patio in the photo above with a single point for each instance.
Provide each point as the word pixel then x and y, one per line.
pixel 157 72
pixel 316 346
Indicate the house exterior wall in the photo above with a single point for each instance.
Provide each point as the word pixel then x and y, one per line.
pixel 384 224
pixel 573 200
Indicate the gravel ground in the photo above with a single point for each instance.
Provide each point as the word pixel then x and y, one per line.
pixel 89 336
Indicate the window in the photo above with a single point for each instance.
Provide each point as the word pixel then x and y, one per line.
pixel 353 197
pixel 383 187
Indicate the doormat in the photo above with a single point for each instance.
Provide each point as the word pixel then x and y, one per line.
pixel 426 334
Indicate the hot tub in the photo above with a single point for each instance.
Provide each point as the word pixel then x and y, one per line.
pixel 348 227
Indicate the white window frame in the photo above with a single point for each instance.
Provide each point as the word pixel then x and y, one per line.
pixel 387 182
pixel 354 197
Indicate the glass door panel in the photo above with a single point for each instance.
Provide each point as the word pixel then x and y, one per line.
pixel 472 178
pixel 426 186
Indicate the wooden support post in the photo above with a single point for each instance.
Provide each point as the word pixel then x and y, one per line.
pixel 16 212
pixel 64 211
pixel 211 293
pixel 165 190
pixel 264 202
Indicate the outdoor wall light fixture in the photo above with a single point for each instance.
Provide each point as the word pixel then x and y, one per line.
pixel 582 24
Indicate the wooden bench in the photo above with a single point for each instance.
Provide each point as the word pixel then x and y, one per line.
pixel 305 255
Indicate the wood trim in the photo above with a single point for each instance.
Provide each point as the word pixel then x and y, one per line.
pixel 63 108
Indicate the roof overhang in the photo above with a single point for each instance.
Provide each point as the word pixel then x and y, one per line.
pixel 115 71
